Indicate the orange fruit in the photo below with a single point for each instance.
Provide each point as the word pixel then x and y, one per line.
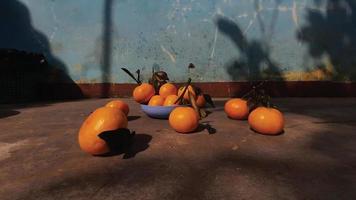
pixel 167 89
pixel 186 94
pixel 265 120
pixel 201 101
pixel 170 100
pixel 120 105
pixel 102 119
pixel 156 100
pixel 236 108
pixel 184 119
pixel 143 93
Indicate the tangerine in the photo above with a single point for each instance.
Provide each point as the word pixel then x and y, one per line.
pixel 120 105
pixel 236 108
pixel 143 93
pixel 167 89
pixel 269 121
pixel 102 119
pixel 170 99
pixel 156 100
pixel 201 101
pixel 184 119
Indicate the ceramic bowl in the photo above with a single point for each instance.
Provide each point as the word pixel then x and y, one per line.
pixel 159 112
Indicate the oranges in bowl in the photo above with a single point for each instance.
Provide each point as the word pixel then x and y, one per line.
pixel 158 105
pixel 167 89
pixel 170 100
pixel 156 100
pixel 143 93
pixel 186 93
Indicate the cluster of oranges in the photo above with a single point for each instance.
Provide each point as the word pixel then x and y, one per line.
pixel 113 115
pixel 264 120
pixel 181 119
pixel 167 95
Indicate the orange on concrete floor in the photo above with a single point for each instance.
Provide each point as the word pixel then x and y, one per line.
pixel 314 159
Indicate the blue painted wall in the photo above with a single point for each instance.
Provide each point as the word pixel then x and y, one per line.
pixel 225 39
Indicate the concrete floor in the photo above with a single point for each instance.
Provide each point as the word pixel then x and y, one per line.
pixel 314 159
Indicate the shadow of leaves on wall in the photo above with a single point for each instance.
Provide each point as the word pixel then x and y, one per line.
pixel 331 31
pixel 254 62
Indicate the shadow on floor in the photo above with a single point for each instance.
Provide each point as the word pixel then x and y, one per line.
pixel 205 126
pixel 8 113
pixel 133 118
pixel 287 178
pixel 123 141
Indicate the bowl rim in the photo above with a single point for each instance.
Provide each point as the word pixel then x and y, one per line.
pixel 144 105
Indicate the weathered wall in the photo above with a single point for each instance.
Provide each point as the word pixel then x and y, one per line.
pixel 225 39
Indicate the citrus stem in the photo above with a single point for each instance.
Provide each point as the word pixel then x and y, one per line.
pixel 253 90
pixel 194 104
pixel 185 89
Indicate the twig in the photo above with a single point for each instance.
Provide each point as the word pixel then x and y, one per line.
pixel 185 89
pixel 194 104
pixel 139 75
pixel 131 75
pixel 253 89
